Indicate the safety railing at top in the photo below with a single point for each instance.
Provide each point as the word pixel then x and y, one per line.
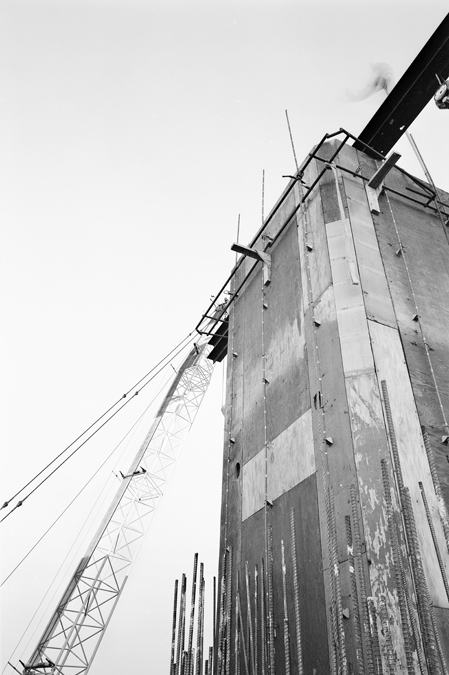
pixel 217 312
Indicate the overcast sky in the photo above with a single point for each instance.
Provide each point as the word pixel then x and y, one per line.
pixel 133 133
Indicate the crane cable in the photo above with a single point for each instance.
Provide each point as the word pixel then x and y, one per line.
pixel 78 494
pixel 76 497
pixel 85 521
pixel 188 338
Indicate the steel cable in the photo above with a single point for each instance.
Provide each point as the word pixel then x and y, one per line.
pixel 137 391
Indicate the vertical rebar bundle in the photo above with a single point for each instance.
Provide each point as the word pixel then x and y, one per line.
pixel 376 646
pixel 424 603
pixel 336 584
pixel 296 594
pixel 228 611
pixel 368 633
pixel 284 597
pixel 425 610
pixel 249 619
pixel 221 620
pixel 237 642
pixel 191 661
pixel 355 598
pixel 200 627
pixel 437 487
pixel 214 627
pixel 242 627
pixel 397 566
pixel 173 638
pixel 434 537
pixel 180 625
pixel 270 603
pixel 388 644
pixel 192 613
pixel 263 619
pixel 256 610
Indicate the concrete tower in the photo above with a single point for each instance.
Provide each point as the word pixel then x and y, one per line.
pixel 334 527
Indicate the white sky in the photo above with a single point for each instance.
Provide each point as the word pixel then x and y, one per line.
pixel 133 133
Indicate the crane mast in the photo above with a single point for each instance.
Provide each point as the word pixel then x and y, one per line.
pixel 76 628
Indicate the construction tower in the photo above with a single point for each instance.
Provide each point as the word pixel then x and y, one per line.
pixel 334 527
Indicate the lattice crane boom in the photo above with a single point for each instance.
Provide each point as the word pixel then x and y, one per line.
pixel 76 628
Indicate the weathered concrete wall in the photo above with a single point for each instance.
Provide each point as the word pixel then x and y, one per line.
pixel 331 376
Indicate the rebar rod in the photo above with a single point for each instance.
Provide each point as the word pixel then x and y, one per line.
pixel 180 643
pixel 173 632
pixel 355 598
pixel 284 596
pixel 228 611
pixel 270 602
pixel 422 592
pixel 263 620
pixel 375 633
pixel 256 610
pixel 426 173
pixel 440 649
pixel 415 629
pixel 291 141
pixel 388 644
pixel 200 627
pixel 242 628
pixel 436 484
pixel 214 627
pixel 335 667
pixel 192 611
pixel 362 586
pixel 392 436
pixel 237 642
pixel 296 594
pixel 183 628
pixel 335 572
pixel 249 619
pixel 220 640
pixel 435 540
pixel 397 565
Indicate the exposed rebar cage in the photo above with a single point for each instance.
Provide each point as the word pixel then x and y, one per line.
pixel 75 630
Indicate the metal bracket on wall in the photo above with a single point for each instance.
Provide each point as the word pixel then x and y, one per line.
pixel 375 183
pixel 256 254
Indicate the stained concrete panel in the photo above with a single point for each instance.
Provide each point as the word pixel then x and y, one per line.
pixel 286 360
pixel 372 274
pixel 253 494
pixel 391 367
pixel 426 252
pixel 313 227
pixel 249 316
pixel 303 498
pixel 353 331
pixel 330 416
pixel 290 459
pixel 370 447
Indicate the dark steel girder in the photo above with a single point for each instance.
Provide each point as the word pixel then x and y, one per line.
pixel 410 95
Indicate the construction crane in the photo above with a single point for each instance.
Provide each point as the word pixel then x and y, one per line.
pixel 75 630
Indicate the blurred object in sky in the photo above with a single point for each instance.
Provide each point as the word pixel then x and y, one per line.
pixel 380 78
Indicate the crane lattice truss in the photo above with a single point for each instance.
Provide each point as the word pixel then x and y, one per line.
pixel 76 628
